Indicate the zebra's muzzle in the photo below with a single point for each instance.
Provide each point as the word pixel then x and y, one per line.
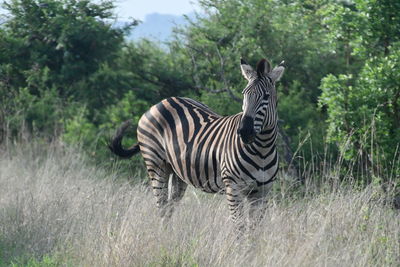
pixel 246 130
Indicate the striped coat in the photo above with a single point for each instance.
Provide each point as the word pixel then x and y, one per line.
pixel 235 155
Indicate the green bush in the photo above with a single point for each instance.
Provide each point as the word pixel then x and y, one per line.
pixel 365 110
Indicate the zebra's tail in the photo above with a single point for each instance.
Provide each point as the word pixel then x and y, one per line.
pixel 116 147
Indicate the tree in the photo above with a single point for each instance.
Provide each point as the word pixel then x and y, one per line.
pixel 58 47
pixel 363 103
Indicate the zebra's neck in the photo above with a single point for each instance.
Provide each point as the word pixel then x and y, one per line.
pixel 265 141
pixel 259 157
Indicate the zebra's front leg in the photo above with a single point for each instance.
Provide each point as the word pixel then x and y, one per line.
pixel 257 211
pixel 258 205
pixel 234 196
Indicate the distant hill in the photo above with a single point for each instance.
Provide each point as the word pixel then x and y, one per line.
pixel 158 26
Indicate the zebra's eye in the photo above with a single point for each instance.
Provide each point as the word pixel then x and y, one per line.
pixel 266 96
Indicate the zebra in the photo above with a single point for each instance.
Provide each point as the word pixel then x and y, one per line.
pixel 235 155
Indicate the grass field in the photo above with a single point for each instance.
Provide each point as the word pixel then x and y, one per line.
pixel 55 209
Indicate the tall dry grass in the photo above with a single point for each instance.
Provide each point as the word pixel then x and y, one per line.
pixel 54 205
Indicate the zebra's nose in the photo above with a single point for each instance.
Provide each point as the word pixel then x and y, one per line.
pixel 246 130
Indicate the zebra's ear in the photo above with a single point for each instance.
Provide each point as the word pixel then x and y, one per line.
pixel 247 71
pixel 263 67
pixel 277 73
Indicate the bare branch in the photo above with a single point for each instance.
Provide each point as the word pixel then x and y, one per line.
pixel 223 78
pixel 230 93
pixel 199 86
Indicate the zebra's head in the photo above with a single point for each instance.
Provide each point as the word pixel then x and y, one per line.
pixel 259 99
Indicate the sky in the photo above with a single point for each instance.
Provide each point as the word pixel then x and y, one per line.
pixel 138 9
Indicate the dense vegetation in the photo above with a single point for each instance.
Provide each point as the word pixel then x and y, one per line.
pixel 66 71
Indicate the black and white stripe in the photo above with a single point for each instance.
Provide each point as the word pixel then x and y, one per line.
pixel 235 155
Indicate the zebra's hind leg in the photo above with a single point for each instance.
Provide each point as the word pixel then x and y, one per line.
pixel 159 176
pixel 177 189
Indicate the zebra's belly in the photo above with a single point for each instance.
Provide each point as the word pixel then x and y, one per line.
pixel 203 173
pixel 206 181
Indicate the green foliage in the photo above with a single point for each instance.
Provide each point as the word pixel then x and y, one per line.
pixel 256 29
pixel 381 25
pixel 78 129
pixel 71 38
pixel 222 103
pixel 300 119
pixel 53 52
pixel 366 113
pixel 129 107
pixel 362 104
pixel 39 113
